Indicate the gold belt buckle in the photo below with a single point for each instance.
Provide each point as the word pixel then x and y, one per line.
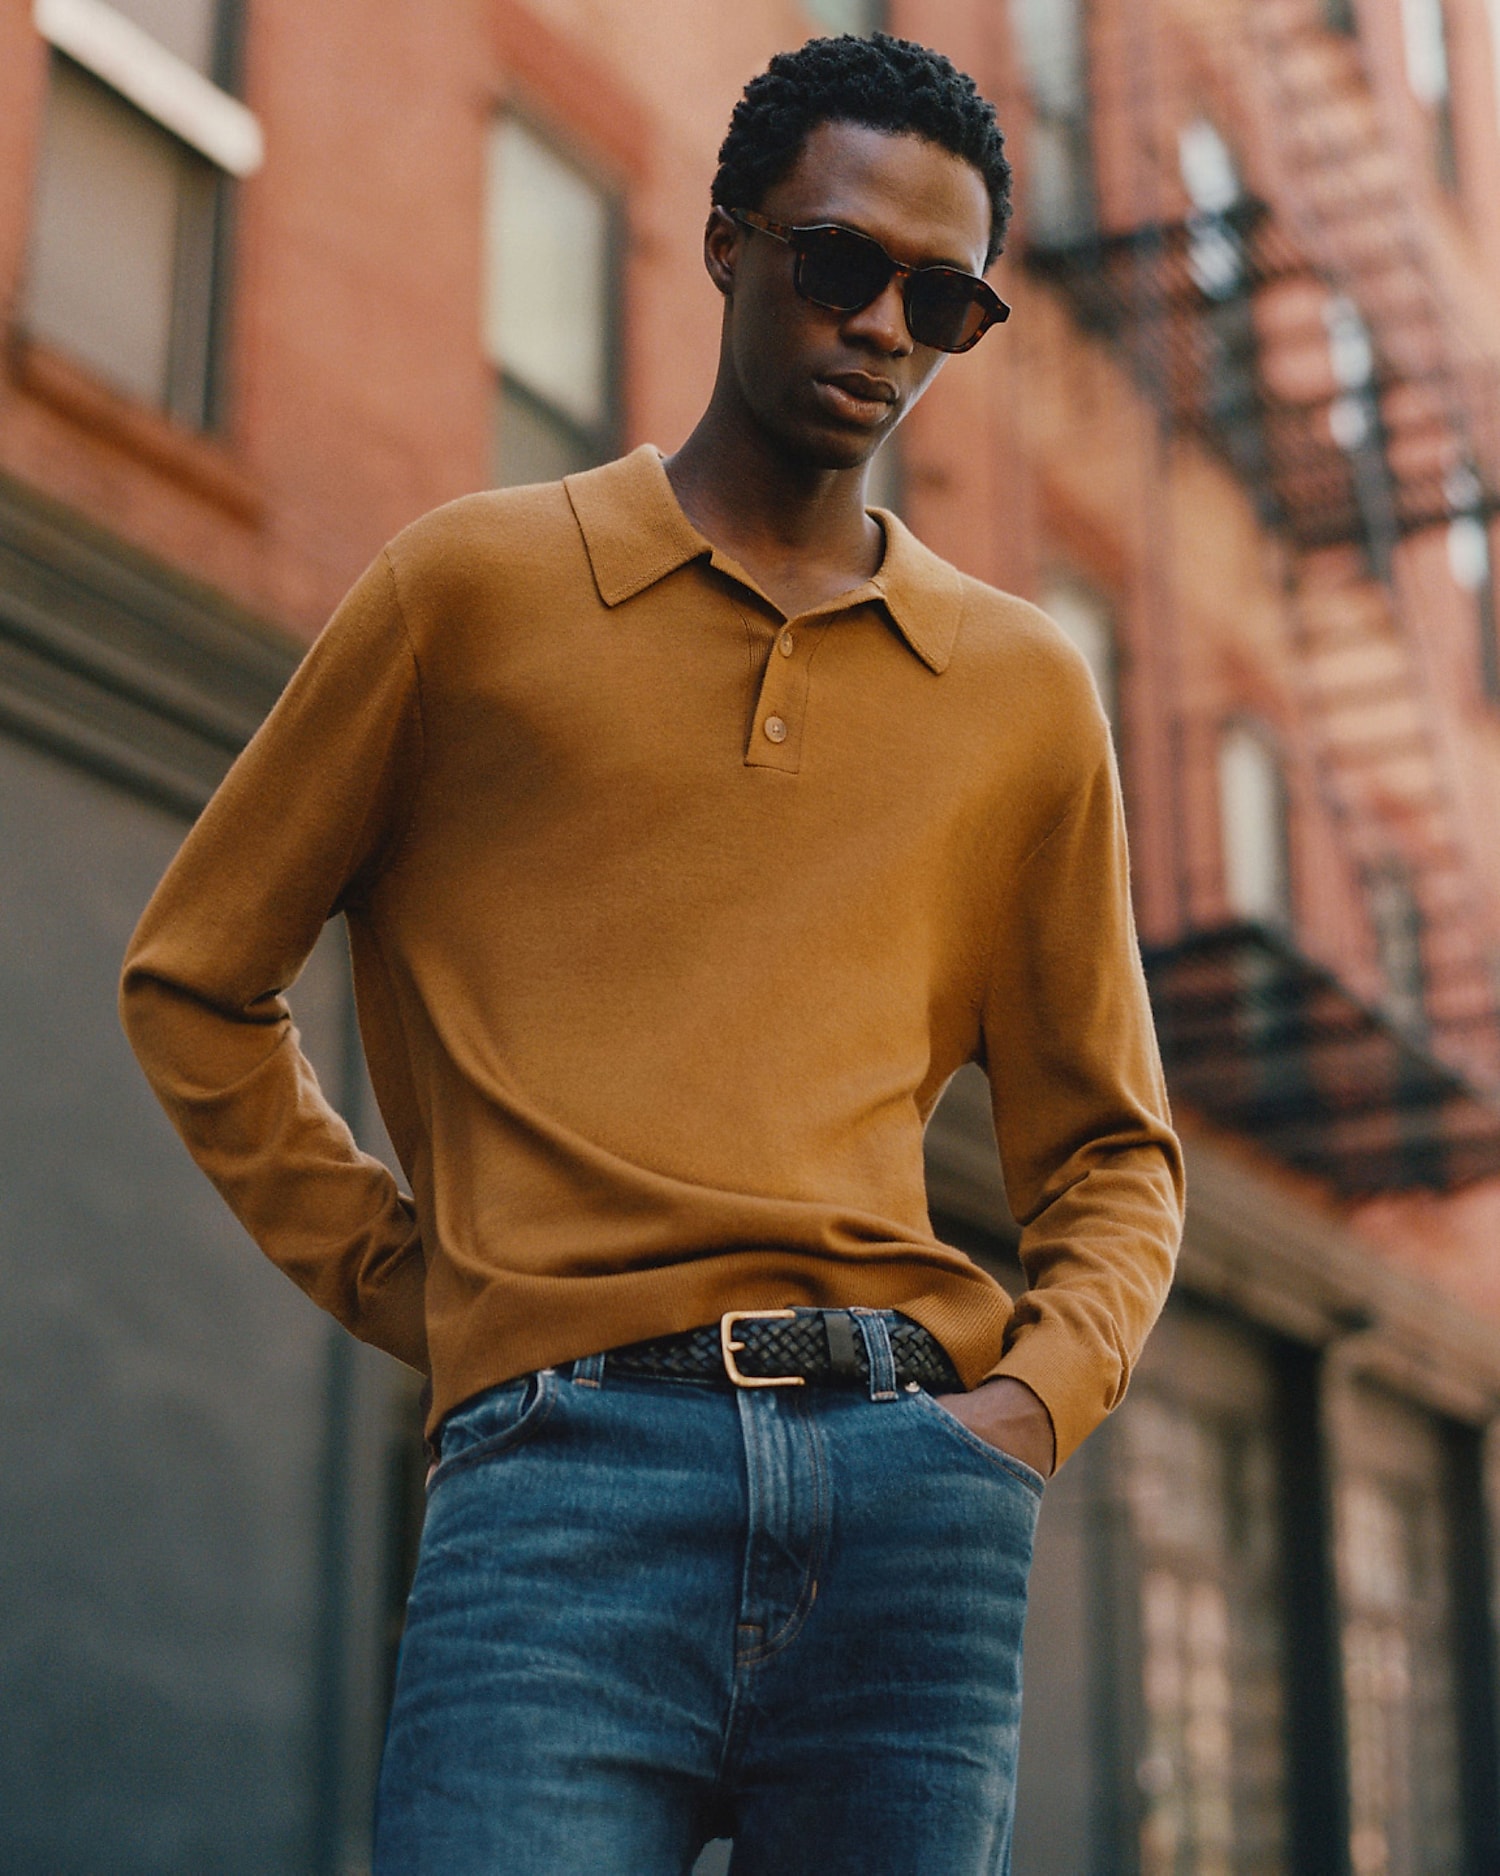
pixel 730 1348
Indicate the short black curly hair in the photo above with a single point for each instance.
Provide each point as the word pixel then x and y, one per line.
pixel 883 82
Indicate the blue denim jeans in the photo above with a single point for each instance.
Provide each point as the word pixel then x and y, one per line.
pixel 649 1613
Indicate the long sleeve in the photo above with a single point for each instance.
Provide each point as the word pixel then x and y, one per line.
pixel 300 827
pixel 1092 1167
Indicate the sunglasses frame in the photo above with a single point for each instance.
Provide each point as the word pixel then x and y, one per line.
pixel 996 312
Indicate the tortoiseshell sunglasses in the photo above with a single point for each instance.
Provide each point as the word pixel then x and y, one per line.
pixel 843 270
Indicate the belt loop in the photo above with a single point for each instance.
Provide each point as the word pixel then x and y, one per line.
pixel 843 1346
pixel 872 1325
pixel 589 1371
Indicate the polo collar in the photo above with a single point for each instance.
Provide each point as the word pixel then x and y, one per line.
pixel 635 534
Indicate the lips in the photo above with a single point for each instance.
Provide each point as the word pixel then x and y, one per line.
pixel 862 387
pixel 857 399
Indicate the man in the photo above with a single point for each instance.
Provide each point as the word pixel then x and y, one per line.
pixel 693 826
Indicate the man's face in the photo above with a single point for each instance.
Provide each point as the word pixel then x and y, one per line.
pixel 829 386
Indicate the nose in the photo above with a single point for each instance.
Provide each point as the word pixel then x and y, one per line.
pixel 882 324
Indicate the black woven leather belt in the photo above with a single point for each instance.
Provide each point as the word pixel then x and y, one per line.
pixel 780 1348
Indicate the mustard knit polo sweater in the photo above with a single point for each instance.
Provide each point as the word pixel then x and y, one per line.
pixel 670 919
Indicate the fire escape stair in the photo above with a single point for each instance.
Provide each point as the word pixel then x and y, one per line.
pixel 1226 322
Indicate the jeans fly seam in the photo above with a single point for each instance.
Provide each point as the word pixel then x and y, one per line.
pixel 808 1594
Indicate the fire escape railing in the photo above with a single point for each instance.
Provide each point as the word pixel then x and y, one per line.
pixel 1269 1044
pixel 1195 306
pixel 1303 345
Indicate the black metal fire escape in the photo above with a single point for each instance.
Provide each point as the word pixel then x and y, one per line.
pixel 1303 339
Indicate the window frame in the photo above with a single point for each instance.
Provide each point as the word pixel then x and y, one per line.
pixel 198 111
pixel 1075 129
pixel 1472 564
pixel 1487 625
pixel 1062 581
pixel 1398 926
pixel 877 11
pixel 601 442
pixel 1257 729
pixel 221 142
pixel 1430 1468
pixel 1434 100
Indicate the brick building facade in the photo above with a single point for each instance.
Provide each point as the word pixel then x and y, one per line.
pixel 277 279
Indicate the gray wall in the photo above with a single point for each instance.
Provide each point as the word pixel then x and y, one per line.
pixel 187 1630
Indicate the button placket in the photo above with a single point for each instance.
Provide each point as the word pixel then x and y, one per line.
pixel 781 707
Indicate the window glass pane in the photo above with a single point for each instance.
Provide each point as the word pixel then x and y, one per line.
pixel 883 479
pixel 1086 620
pixel 546 317
pixel 1468 552
pixel 1057 201
pixel 103 259
pixel 1201 1490
pixel 186 27
pixel 534 444
pixel 1397 919
pixel 190 392
pixel 1208 168
pixel 1429 75
pixel 1395 1571
pixel 848 16
pixel 1253 824
pixel 1426 49
pixel 1051 45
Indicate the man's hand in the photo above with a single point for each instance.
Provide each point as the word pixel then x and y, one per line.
pixel 1005 1413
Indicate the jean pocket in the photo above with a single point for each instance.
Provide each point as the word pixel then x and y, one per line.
pixel 1017 1469
pixel 493 1422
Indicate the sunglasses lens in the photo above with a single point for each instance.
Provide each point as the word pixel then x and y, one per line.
pixel 840 269
pixel 843 270
pixel 945 308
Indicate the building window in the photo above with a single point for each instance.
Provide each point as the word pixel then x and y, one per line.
pixel 1428 72
pixel 192 30
pixel 1253 827
pixel 1397 919
pixel 1088 622
pixel 1473 568
pixel 141 140
pixel 1216 256
pixel 848 16
pixel 1051 39
pixel 549 314
pixel 1357 429
pixel 1202 1493
pixel 884 481
pixel 1396 1565
pixel 1230 357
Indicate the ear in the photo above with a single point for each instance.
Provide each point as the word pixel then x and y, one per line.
pixel 721 246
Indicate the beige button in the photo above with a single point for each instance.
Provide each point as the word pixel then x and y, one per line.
pixel 788 644
pixel 775 729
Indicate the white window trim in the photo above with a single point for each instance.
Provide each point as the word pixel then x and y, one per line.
pixel 1493 10
pixel 156 81
pixel 1429 65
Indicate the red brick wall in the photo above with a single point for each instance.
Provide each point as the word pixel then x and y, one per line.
pixel 360 396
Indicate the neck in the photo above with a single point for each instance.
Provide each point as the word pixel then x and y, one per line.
pixel 747 495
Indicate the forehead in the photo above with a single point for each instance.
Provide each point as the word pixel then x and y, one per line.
pixel 919 200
